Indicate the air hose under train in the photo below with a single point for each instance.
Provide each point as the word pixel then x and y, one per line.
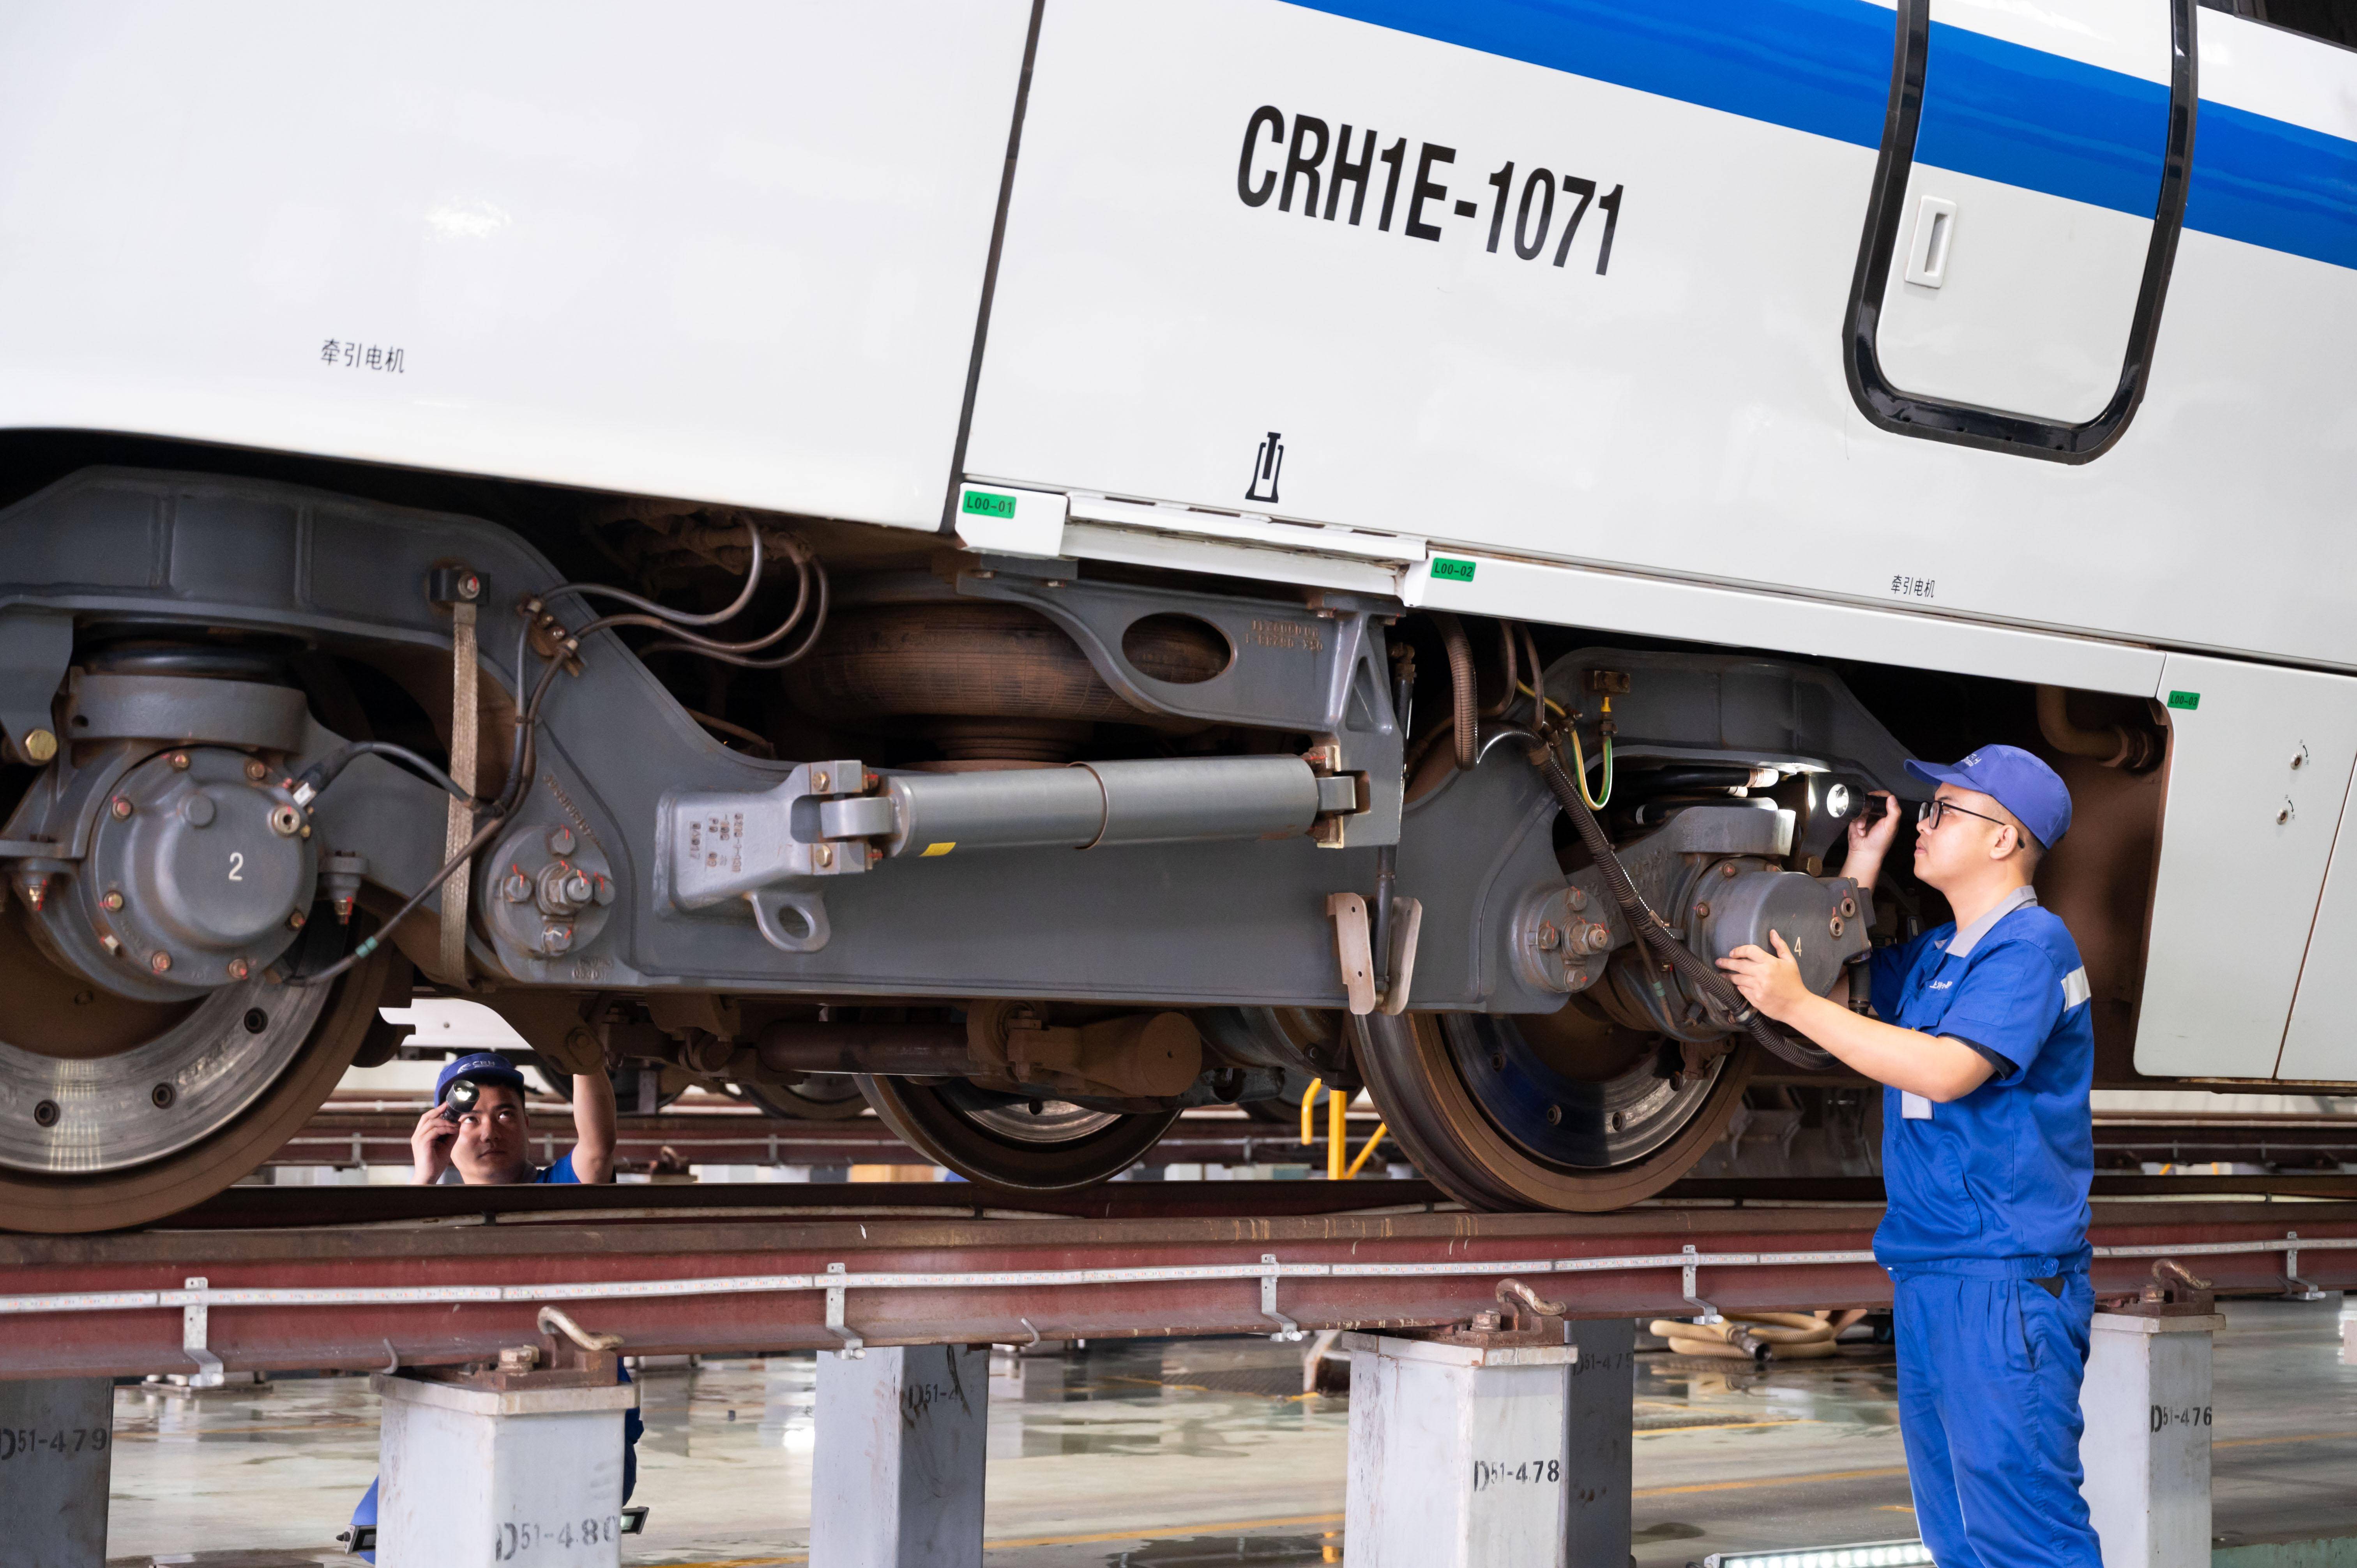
pixel 1696 970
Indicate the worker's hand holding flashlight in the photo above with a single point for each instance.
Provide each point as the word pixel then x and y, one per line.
pixel 1770 982
pixel 1870 833
pixel 429 1145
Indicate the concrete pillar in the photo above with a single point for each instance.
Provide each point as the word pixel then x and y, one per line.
pixel 56 1442
pixel 1599 1416
pixel 483 1478
pixel 897 1478
pixel 2147 1446
pixel 1458 1454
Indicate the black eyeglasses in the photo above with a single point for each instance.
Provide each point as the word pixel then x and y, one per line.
pixel 1929 813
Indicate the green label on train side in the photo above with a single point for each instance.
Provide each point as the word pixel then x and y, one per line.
pixel 1451 570
pixel 2188 701
pixel 984 503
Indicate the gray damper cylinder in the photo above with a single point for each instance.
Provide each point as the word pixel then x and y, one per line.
pixel 1090 804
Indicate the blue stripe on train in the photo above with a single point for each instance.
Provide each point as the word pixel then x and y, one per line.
pixel 1993 108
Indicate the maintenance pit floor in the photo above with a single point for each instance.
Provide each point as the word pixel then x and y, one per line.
pixel 1202 1452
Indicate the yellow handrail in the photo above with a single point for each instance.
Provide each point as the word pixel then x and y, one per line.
pixel 1381 1128
pixel 1309 1117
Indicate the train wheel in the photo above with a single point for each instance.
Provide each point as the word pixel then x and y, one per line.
pixel 1564 1112
pixel 115 1112
pixel 1042 1144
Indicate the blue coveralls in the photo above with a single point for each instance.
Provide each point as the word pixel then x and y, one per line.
pixel 559 1174
pixel 1986 1240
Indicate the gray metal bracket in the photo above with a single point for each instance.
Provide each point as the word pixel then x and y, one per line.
pixel 35 646
pixel 194 1323
pixel 853 1345
pixel 1693 1265
pixel 1291 1330
pixel 2296 1288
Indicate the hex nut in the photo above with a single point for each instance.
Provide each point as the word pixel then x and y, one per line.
pixel 560 841
pixel 159 960
pixel 1554 1115
pixel 1576 898
pixel 1835 925
pixel 517 888
pixel 38 745
pixel 256 771
pixel 120 805
pixel 285 821
pixel 1702 911
pixel 295 920
pixel 238 969
pixel 179 761
pixel 1548 935
pixel 110 900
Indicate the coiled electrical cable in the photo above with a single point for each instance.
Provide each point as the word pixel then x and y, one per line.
pixel 1463 691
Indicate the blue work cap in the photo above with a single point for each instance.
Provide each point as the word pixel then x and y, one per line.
pixel 483 1067
pixel 2014 780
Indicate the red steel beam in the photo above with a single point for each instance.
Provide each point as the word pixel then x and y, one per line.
pixel 357 1335
pixel 348 1136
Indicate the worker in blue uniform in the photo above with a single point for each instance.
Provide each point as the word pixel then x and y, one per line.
pixel 489 1145
pixel 1987 1153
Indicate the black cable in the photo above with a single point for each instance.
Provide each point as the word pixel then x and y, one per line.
pixel 1690 965
pixel 314 779
pixel 369 945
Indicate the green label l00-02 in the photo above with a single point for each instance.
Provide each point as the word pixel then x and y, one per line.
pixel 1452 570
pixel 984 503
pixel 2186 700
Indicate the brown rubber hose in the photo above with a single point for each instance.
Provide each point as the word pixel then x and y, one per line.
pixel 1464 694
pixel 1514 675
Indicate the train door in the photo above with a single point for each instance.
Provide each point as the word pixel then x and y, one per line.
pixel 2318 1044
pixel 2025 213
pixel 2259 765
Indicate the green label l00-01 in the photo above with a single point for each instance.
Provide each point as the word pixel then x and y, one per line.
pixel 984 503
pixel 1452 570
pixel 2186 700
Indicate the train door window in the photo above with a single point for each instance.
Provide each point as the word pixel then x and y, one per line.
pixel 2025 214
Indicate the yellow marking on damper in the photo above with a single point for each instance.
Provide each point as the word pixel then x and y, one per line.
pixel 933 849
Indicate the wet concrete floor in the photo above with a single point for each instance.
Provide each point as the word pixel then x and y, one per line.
pixel 1205 1452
